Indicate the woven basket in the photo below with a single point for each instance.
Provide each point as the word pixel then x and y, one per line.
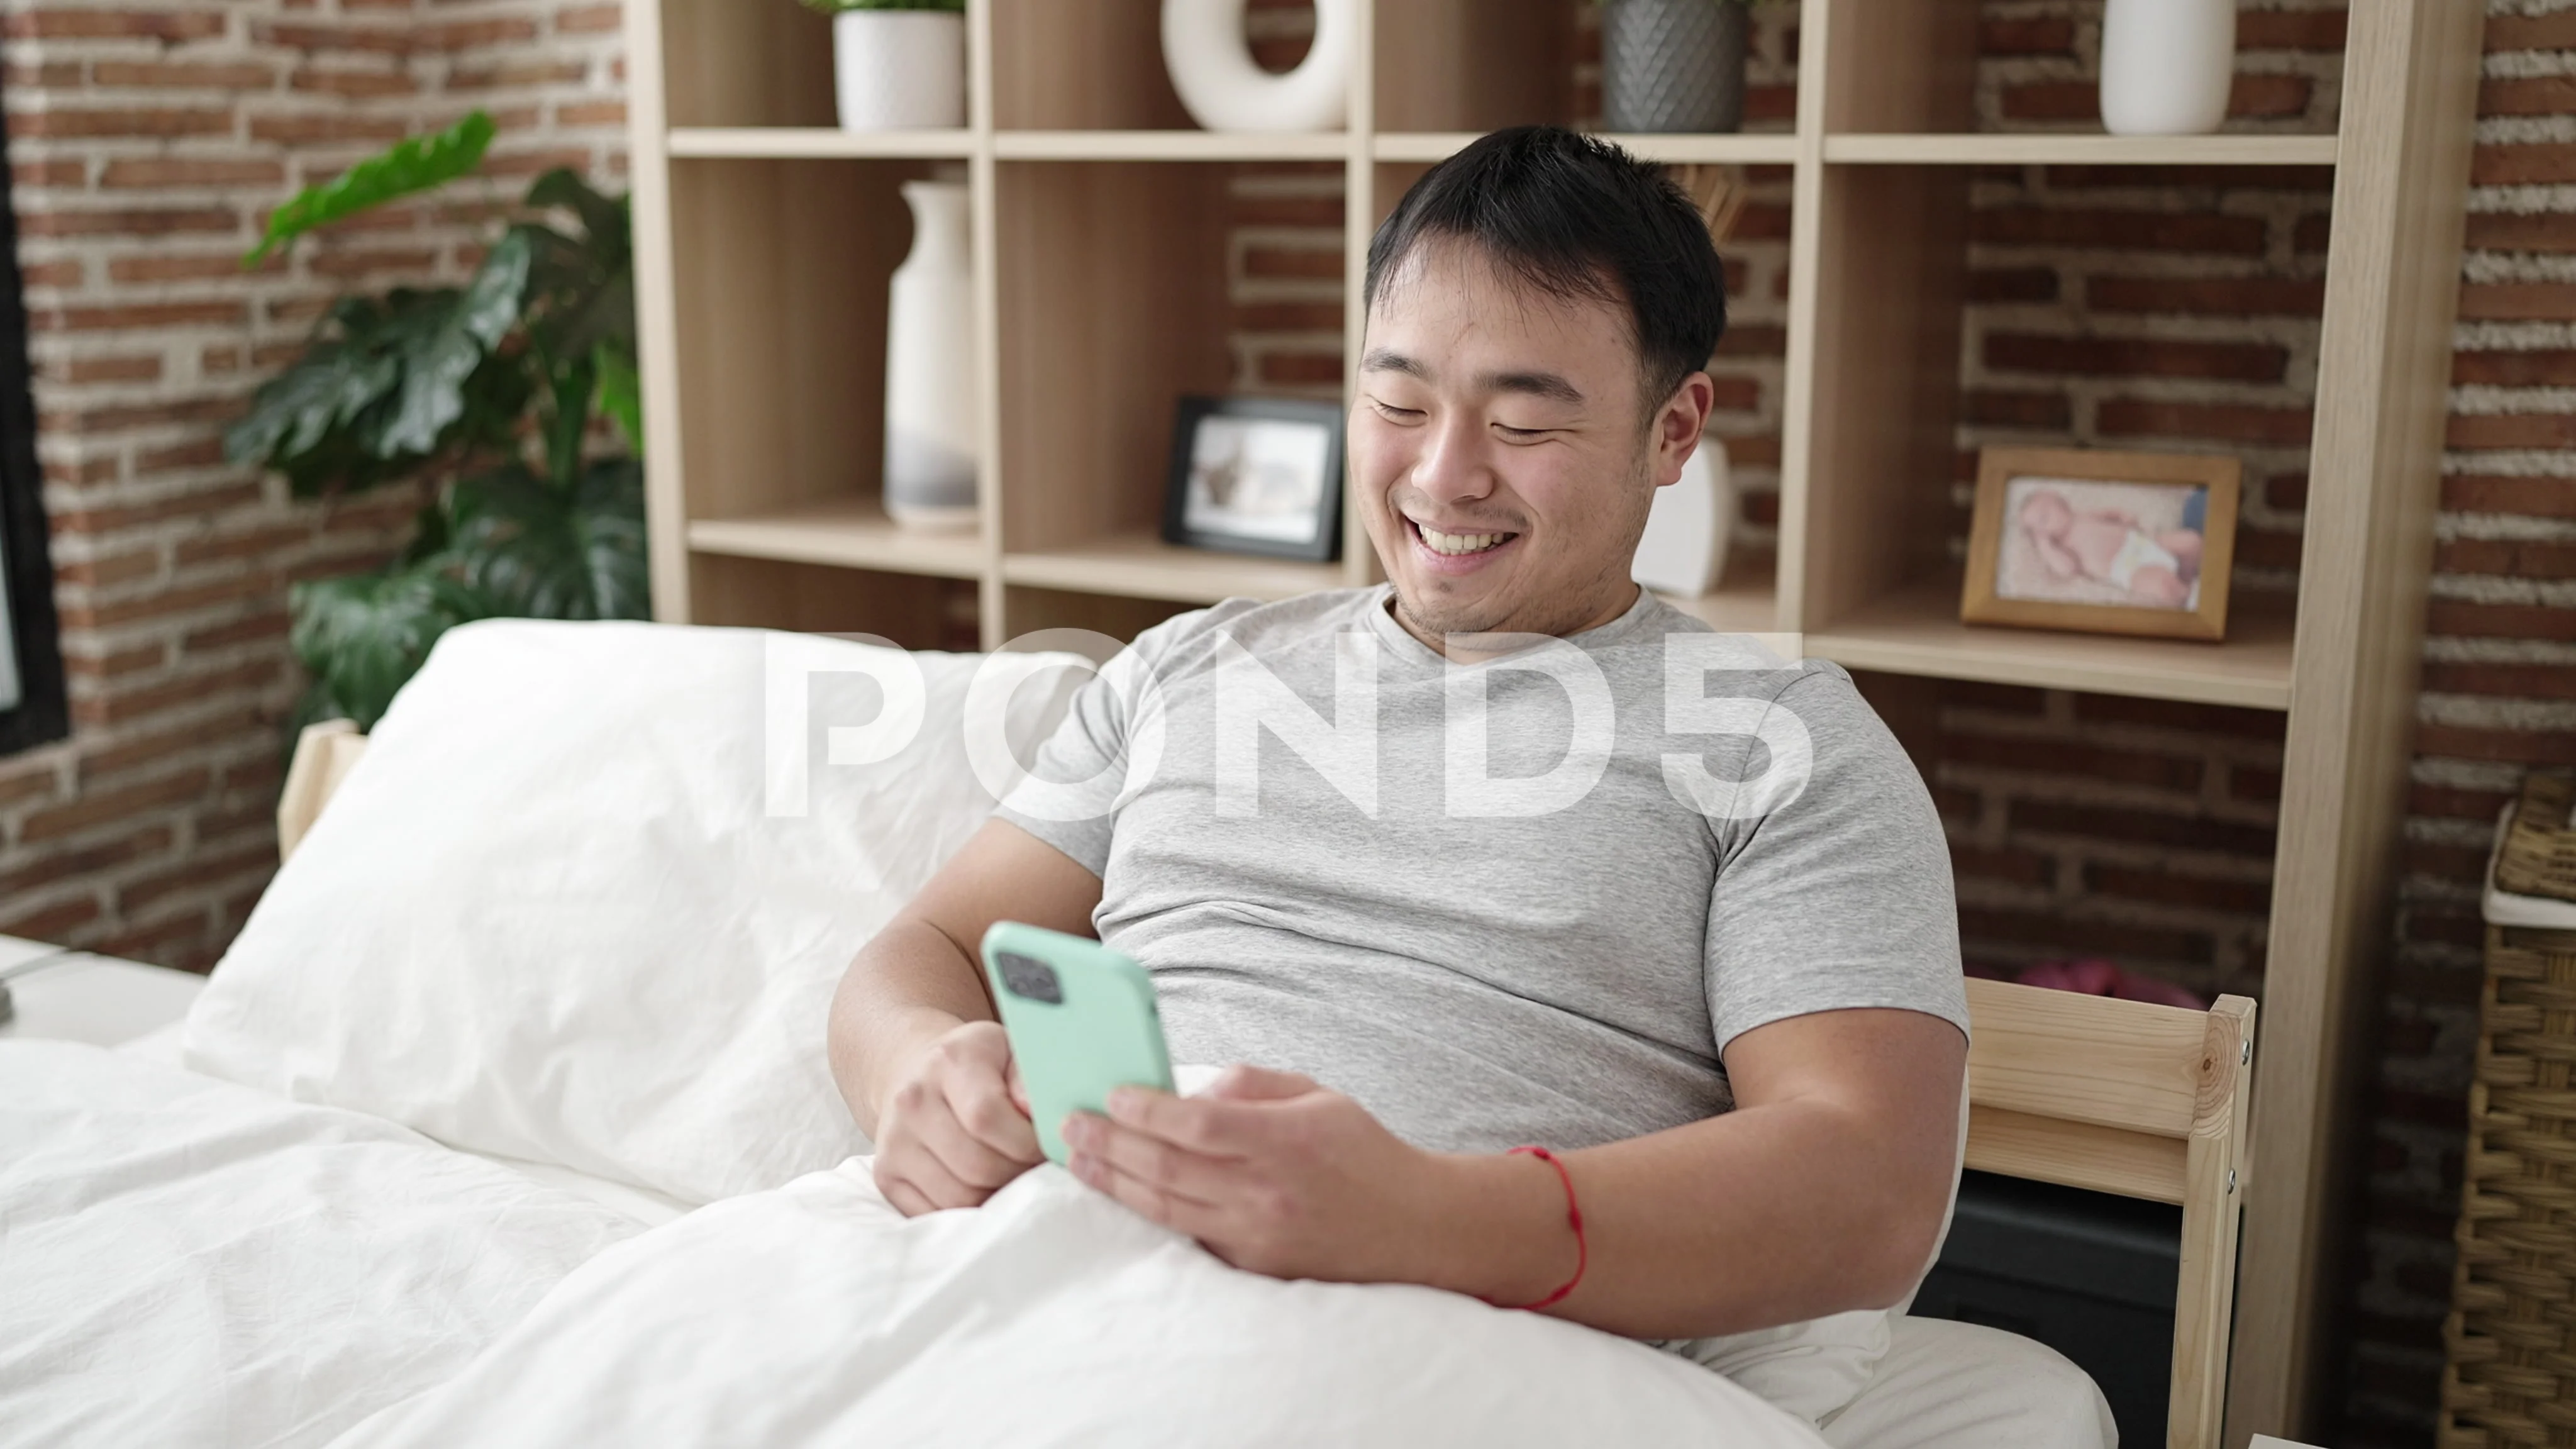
pixel 2512 1330
pixel 2539 854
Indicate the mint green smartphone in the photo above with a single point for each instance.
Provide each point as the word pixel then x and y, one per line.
pixel 1081 1020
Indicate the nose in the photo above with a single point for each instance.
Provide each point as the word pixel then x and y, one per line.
pixel 1452 467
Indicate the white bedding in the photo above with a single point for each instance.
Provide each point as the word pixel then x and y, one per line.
pixel 187 1262
pixel 816 1314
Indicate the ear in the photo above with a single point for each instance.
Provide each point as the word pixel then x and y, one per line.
pixel 1677 425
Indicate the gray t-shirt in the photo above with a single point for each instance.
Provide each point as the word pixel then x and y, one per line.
pixel 1527 900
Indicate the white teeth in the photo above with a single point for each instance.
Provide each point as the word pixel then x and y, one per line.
pixel 1458 542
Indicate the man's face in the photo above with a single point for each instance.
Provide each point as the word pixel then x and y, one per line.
pixel 1503 456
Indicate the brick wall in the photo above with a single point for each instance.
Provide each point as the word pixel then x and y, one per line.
pixel 147 139
pixel 2117 308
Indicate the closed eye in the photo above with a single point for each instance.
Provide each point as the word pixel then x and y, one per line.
pixel 1522 435
pixel 1394 414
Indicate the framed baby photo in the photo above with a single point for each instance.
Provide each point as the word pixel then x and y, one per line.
pixel 1256 475
pixel 2108 543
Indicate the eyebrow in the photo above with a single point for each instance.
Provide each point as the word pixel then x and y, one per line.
pixel 1552 386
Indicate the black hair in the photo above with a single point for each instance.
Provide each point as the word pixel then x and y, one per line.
pixel 1577 218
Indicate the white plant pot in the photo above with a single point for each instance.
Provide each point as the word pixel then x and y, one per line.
pixel 1683 551
pixel 2167 66
pixel 1223 90
pixel 930 452
pixel 899 70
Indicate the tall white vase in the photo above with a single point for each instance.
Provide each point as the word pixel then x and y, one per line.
pixel 930 453
pixel 2167 65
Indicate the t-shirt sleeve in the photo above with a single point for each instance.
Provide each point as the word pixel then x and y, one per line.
pixel 1841 897
pixel 1071 796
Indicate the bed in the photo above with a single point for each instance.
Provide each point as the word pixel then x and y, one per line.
pixel 505 1121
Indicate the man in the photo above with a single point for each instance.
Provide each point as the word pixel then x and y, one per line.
pixel 1502 852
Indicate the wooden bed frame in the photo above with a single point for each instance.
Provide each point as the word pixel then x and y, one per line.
pixel 2116 1096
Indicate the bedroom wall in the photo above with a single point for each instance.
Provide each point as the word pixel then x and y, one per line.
pixel 2078 823
pixel 146 142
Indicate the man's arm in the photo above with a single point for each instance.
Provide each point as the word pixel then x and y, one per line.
pixel 1822 1192
pixel 913 1041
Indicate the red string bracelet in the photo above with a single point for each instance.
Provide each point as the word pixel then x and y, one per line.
pixel 1573 1219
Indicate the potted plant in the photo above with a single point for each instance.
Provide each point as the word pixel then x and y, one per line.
pixel 481 398
pixel 898 65
pixel 1673 65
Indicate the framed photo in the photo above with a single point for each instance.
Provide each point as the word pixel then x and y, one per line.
pixel 1257 475
pixel 2109 543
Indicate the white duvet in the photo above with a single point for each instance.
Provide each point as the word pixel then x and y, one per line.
pixel 186 1262
pixel 815 1314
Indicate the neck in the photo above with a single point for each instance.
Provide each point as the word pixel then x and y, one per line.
pixel 1615 602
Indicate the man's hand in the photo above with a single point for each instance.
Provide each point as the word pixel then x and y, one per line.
pixel 954 1129
pixel 1274 1174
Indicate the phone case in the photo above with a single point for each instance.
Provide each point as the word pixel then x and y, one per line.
pixel 1105 1033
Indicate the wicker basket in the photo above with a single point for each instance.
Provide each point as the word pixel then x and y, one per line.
pixel 2512 1330
pixel 2539 853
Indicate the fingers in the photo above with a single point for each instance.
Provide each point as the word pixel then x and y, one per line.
pixel 1201 1124
pixel 971 1161
pixel 916 1183
pixel 1153 1200
pixel 997 1117
pixel 1148 1159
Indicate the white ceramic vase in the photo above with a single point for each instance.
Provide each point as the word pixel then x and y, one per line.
pixel 930 453
pixel 899 70
pixel 1223 90
pixel 2167 66
pixel 1683 551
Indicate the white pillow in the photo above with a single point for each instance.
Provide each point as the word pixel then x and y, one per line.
pixel 556 913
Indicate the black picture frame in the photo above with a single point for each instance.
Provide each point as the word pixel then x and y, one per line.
pixel 1322 543
pixel 34 631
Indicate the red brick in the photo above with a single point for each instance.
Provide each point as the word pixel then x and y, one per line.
pixel 2045 411
pixel 220 267
pixel 2460 619
pixel 116 662
pixel 2136 357
pixel 2143 827
pixel 2280 427
pixel 2537 95
pixel 203 870
pixel 255 543
pixel 84 24
pixel 2255 784
pixel 311 127
pixel 2518 301
pixel 127 706
pixel 2511 681
pixel 2530 497
pixel 2270 95
pixel 2180 178
pixel 1292 262
pixel 2555 31
pixel 1314 211
pixel 533 71
pixel 2513 747
pixel 131 221
pixel 120 122
pixel 2068 100
pixel 346 264
pixel 588 20
pixel 54 867
pixel 2058 757
pixel 51 171
pixel 2320 30
pixel 2123 230
pixel 2046 35
pixel 1301 368
pixel 383 40
pixel 95 807
pixel 193 454
pixel 112 369
pixel 2536 165
pixel 2504 231
pixel 142 315
pixel 1735 394
pixel 2012 284
pixel 1289 317
pixel 166 603
pixel 2166 888
pixel 2019 867
pixel 173 75
pixel 1753 340
pixel 2509 558
pixel 2216 719
pixel 2312 235
pixel 2286 491
pixel 2267 549
pixel 164 171
pixel 2076 936
pixel 2220 296
pixel 590 113
pixel 355 83
pixel 50 922
pixel 2510 431
pixel 255 628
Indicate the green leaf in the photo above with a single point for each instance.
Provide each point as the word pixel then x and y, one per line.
pixel 621 392
pixel 363 636
pixel 605 220
pixel 547 552
pixel 447 347
pixel 411 165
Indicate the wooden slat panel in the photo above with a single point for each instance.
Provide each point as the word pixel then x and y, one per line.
pixel 2076 1154
pixel 2092 1059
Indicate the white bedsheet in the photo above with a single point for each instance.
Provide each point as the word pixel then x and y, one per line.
pixel 187 1262
pixel 816 1314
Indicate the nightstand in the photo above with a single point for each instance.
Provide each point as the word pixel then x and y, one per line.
pixel 76 996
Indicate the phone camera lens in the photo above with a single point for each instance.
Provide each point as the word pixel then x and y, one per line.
pixel 1031 979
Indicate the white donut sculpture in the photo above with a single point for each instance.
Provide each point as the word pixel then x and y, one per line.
pixel 1213 70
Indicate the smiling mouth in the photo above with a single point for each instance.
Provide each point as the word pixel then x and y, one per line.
pixel 1457 545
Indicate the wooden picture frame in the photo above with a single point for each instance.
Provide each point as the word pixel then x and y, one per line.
pixel 2070 566
pixel 1192 519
